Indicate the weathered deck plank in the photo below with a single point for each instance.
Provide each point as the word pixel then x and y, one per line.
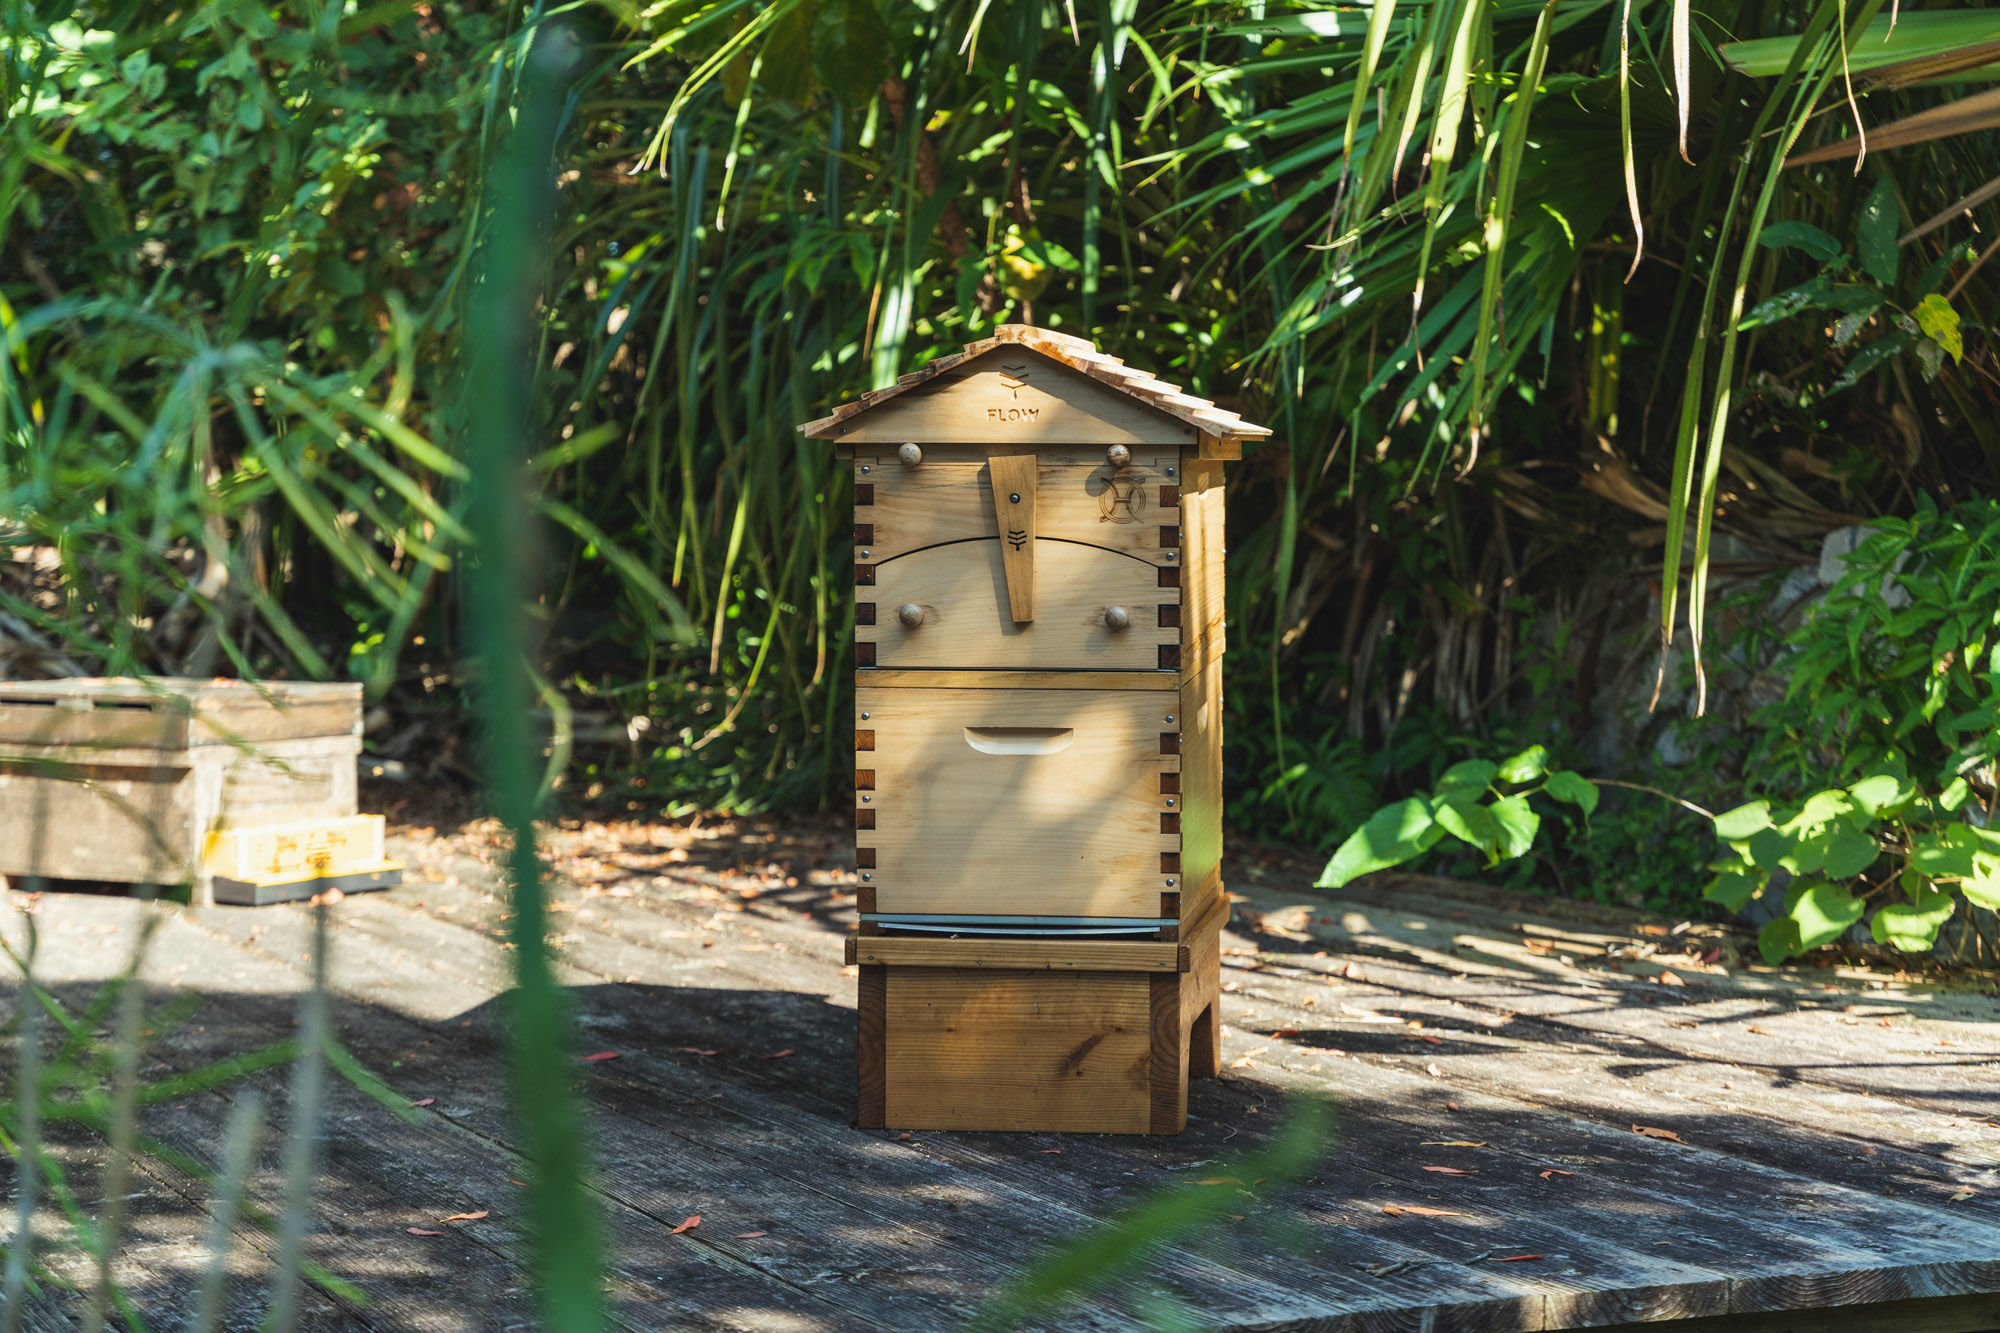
pixel 1823 1152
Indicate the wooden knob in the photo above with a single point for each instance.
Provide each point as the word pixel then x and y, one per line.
pixel 1118 455
pixel 1117 617
pixel 911 455
pixel 910 614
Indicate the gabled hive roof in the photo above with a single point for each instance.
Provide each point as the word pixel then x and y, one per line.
pixel 1079 354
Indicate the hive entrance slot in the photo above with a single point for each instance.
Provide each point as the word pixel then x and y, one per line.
pixel 1019 740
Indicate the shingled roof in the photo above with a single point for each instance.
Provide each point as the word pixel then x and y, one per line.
pixel 1079 354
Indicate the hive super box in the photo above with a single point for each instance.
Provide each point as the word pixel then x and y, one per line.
pixel 1038 805
pixel 132 780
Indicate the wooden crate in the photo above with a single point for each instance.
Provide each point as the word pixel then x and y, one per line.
pixel 1080 1036
pixel 128 780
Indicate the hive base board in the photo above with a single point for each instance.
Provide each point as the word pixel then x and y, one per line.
pixel 1031 1047
pixel 262 893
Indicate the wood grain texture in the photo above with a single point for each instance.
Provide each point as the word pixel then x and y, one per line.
pixel 1937 1314
pixel 1167 1103
pixel 870 1057
pixel 1047 955
pixel 982 1050
pixel 1015 396
pixel 1078 497
pixel 1203 542
pixel 1012 482
pixel 1200 801
pixel 940 679
pixel 967 620
pixel 1069 833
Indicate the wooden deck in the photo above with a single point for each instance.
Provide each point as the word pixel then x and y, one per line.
pixel 1836 1132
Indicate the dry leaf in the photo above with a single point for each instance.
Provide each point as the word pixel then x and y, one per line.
pixel 419 1231
pixel 1231 987
pixel 1367 1015
pixel 1244 1063
pixel 1451 1106
pixel 1517 1258
pixel 1653 1133
pixel 1553 1171
pixel 1450 1143
pixel 1754 1028
pixel 1871 1152
pixel 1395 1210
pixel 1669 979
pixel 1286 1032
pixel 689 1225
pixel 904 1135
pixel 1433 1070
pixel 465 1217
pixel 1962 1195
pixel 696 1050
pixel 779 1055
pixel 428 1101
pixel 749 1235
pixel 1943 1042
pixel 1450 1171
pixel 1423 1036
pixel 1220 1180
pixel 1050 1150
pixel 601 1055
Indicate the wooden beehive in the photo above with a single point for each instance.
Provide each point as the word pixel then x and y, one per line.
pixel 130 780
pixel 1038 806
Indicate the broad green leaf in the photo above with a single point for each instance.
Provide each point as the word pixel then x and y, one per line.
pixel 785 63
pixel 1945 853
pixel 1468 775
pixel 1913 927
pixel 1982 886
pixel 1823 912
pixel 1739 824
pixel 1955 795
pixel 1573 787
pixel 1516 825
pixel 1940 324
pixel 851 46
pixel 1734 887
pixel 1392 835
pixel 1849 852
pixel 1875 236
pixel 1885 41
pixel 1778 940
pixel 1770 849
pixel 1802 235
pixel 1470 823
pixel 1882 793
pixel 1821 808
pixel 1527 766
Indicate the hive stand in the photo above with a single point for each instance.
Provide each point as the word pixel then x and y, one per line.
pixel 1038 748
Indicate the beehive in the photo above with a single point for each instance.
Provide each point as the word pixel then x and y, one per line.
pixel 131 780
pixel 1038 804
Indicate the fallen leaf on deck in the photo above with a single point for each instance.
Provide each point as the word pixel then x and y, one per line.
pixel 1244 1063
pixel 419 1231
pixel 1943 1042
pixel 1450 1171
pixel 1050 1150
pixel 688 1225
pixel 1220 1180
pixel 1516 1258
pixel 1712 956
pixel 1367 1015
pixel 1231 987
pixel 1653 1133
pixel 1286 1032
pixel 1395 1210
pixel 1423 1036
pixel 1450 1143
pixel 428 1101
pixel 749 1235
pixel 1669 979
pixel 601 1055
pixel 1347 970
pixel 1451 1106
pixel 1553 1171
pixel 779 1055
pixel 1754 1028
pixel 1962 1195
pixel 465 1217
pixel 1433 1070
pixel 696 1050
pixel 1321 1050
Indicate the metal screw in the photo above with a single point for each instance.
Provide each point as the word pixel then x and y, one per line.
pixel 866 716
pixel 1170 471
pixel 1170 717
pixel 866 877
pixel 864 555
pixel 1015 497
pixel 1170 800
pixel 864 469
pixel 1170 555
pixel 1170 880
pixel 866 799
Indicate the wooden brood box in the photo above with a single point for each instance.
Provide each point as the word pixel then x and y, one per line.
pixel 1039 636
pixel 127 780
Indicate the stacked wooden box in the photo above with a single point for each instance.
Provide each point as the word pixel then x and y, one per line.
pixel 1038 806
pixel 135 780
